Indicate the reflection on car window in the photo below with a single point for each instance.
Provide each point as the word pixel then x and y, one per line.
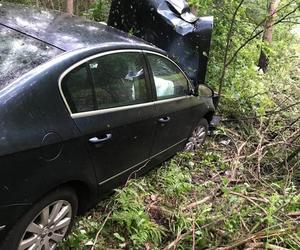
pixel 169 80
pixel 78 90
pixel 119 80
pixel 106 82
pixel 19 54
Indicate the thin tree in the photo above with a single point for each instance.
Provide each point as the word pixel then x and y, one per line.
pixel 70 6
pixel 255 34
pixel 268 34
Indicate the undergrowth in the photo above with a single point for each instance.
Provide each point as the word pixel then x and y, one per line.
pixel 195 200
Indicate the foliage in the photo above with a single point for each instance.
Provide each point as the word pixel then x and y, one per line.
pixel 93 9
pixel 242 73
pixel 99 10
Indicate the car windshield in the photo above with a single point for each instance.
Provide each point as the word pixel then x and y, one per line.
pixel 20 53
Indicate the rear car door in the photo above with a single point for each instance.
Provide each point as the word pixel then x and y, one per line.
pixel 176 109
pixel 109 97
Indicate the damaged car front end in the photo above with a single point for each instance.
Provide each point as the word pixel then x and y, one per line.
pixel 171 26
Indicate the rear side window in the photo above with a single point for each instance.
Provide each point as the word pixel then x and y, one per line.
pixel 168 78
pixel 108 81
pixel 119 80
pixel 19 54
pixel 77 89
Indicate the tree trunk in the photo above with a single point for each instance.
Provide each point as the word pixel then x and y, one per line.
pixel 70 7
pixel 268 34
pixel 51 4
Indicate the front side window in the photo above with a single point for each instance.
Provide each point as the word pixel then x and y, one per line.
pixel 119 80
pixel 169 80
pixel 108 81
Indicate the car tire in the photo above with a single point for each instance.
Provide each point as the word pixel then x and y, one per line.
pixel 46 223
pixel 198 136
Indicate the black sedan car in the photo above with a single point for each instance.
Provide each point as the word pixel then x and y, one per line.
pixel 82 106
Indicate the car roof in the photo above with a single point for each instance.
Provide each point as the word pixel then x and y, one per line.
pixel 62 30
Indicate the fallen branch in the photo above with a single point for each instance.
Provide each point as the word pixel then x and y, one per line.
pixel 197 203
pixel 250 200
pixel 180 237
pixel 101 228
pixel 160 210
pixel 257 236
pixel 174 243
pixel 262 245
pixel 294 214
pixel 274 247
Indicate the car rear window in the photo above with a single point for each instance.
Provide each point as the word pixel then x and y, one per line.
pixel 20 53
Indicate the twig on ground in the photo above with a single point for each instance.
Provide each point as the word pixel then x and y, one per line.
pixel 197 203
pixel 100 230
pixel 194 235
pixel 174 243
pixel 250 200
pixel 257 236
pixel 294 214
pixel 161 210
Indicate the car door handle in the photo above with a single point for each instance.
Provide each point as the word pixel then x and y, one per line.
pixel 164 120
pixel 96 140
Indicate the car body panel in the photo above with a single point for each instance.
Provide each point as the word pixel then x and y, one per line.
pixel 179 110
pixel 129 146
pixel 9 215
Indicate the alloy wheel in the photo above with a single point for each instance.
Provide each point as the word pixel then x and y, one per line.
pixel 48 228
pixel 197 139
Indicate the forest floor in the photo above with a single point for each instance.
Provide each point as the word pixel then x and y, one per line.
pixel 210 199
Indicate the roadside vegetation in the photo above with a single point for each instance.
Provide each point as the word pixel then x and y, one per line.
pixel 241 191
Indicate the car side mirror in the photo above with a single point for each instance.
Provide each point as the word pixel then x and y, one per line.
pixel 204 91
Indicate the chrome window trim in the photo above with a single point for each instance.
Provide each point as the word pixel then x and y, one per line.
pixel 128 107
pixel 143 162
pixel 120 108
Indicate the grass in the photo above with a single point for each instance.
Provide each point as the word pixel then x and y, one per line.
pixel 196 201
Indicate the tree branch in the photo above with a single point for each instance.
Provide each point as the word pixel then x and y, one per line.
pixel 228 45
pixel 256 35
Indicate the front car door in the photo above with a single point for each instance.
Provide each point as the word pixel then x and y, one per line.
pixel 110 99
pixel 177 111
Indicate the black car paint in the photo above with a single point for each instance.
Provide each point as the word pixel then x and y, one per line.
pixel 42 148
